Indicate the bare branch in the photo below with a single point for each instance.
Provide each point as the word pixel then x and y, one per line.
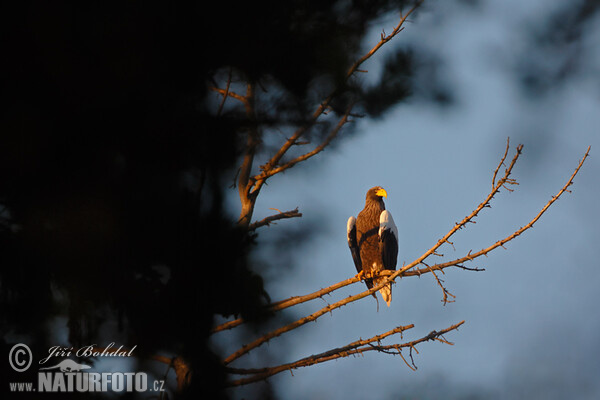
pixel 310 359
pixel 433 335
pixel 471 256
pixel 302 321
pixel 292 301
pixel 270 171
pixel 445 291
pixel 354 348
pixel 384 39
pixel 282 215
pixel 457 225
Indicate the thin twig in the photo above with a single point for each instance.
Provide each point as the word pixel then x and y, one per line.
pixel 501 162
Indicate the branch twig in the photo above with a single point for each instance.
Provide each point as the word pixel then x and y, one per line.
pixel 501 162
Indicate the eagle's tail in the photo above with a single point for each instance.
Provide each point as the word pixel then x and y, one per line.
pixel 386 293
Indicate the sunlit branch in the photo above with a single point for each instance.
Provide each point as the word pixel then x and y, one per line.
pixel 227 93
pixel 292 301
pixel 311 359
pixel 354 348
pixel 268 220
pixel 316 150
pixel 471 256
pixel 384 39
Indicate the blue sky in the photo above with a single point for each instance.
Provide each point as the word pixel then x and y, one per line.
pixel 531 322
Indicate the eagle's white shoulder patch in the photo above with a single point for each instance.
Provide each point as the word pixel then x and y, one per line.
pixel 386 222
pixel 350 225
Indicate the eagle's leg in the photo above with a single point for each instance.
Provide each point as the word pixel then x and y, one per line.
pixel 360 275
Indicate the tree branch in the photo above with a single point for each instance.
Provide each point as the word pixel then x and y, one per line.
pixel 275 170
pixel 292 301
pixel 357 347
pixel 384 40
pixel 471 256
pixel 282 215
pixel 246 198
pixel 227 93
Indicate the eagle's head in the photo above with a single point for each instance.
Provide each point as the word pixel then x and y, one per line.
pixel 376 193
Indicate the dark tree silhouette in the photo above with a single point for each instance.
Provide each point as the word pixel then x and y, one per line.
pixel 113 162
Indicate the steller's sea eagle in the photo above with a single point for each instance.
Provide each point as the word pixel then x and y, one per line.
pixel 373 240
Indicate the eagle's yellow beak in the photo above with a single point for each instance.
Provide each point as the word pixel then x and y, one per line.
pixel 381 193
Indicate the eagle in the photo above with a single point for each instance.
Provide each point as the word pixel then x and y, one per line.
pixel 373 241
